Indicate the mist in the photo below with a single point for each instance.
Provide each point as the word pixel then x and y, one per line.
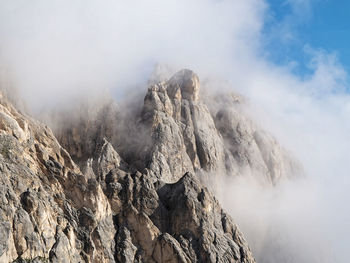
pixel 54 51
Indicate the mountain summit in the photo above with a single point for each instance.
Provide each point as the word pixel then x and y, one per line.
pixel 119 186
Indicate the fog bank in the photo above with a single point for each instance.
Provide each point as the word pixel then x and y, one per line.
pixel 53 51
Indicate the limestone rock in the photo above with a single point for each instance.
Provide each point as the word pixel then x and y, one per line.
pixel 121 185
pixel 177 131
pixel 51 211
pixel 251 151
pixel 204 230
pixel 184 135
pixel 43 192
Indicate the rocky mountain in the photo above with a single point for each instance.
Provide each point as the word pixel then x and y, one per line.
pixel 116 185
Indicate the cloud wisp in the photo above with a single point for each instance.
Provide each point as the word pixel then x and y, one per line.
pixel 53 51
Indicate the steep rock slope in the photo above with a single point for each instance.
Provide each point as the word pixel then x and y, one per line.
pixel 177 132
pixel 184 136
pixel 52 211
pixel 212 135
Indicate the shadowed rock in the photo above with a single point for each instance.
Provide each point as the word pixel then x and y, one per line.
pixel 51 211
pixel 124 187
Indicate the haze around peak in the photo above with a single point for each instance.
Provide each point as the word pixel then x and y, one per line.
pixel 54 51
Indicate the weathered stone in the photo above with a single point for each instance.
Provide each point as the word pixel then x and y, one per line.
pixel 184 135
pixel 125 187
pixel 126 250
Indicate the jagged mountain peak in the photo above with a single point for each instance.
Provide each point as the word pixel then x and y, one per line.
pixel 126 186
pixel 186 83
pixel 101 209
pixel 175 131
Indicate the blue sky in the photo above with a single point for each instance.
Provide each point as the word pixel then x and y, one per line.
pixel 57 51
pixel 295 25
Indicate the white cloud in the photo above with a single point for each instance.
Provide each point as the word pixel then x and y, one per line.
pixel 58 49
pixel 310 116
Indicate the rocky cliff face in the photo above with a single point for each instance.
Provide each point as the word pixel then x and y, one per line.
pixel 177 132
pixel 117 187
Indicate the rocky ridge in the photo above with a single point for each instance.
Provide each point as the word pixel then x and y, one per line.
pixel 176 132
pixel 91 196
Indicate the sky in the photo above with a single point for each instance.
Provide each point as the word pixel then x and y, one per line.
pixel 288 58
pixel 322 24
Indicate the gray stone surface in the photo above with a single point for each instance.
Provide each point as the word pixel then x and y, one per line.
pixel 124 187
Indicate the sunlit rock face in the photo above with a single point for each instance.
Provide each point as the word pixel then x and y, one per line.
pixel 185 133
pixel 184 136
pixel 123 185
pixel 47 206
pixel 175 131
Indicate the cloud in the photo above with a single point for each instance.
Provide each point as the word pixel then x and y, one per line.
pixel 283 223
pixel 310 116
pixel 55 50
pixel 58 48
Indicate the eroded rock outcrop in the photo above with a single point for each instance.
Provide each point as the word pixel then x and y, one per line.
pixel 51 210
pixel 177 132
pixel 119 186
pixel 187 136
pixel 250 150
pixel 183 131
pixel 44 196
